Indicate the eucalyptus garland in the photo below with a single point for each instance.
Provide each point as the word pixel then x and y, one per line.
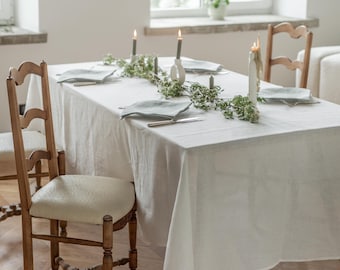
pixel 169 88
pixel 202 97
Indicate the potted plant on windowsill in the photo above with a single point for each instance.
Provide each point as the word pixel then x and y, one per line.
pixel 217 9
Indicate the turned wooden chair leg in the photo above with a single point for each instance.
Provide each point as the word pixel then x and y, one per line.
pixel 54 229
pixel 133 240
pixel 63 231
pixel 61 163
pixel 38 178
pixel 27 241
pixel 107 243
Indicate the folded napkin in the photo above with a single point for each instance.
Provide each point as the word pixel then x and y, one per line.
pixel 156 108
pixel 287 94
pixel 81 75
pixel 191 65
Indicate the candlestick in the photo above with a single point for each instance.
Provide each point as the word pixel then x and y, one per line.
pixel 134 43
pixel 211 82
pixel 179 44
pixel 177 72
pixel 155 65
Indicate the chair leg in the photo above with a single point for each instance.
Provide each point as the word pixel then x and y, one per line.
pixel 133 240
pixel 38 178
pixel 27 242
pixel 107 243
pixel 63 231
pixel 61 162
pixel 54 229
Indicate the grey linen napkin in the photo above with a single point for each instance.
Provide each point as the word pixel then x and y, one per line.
pixel 197 66
pixel 287 94
pixel 156 109
pixel 81 75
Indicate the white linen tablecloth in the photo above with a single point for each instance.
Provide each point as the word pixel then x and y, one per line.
pixel 219 194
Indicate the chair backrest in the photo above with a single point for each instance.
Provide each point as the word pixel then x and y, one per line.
pixel 295 33
pixel 24 164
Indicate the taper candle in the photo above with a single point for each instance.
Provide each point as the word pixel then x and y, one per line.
pixel 259 65
pixel 252 73
pixel 155 65
pixel 179 44
pixel 252 93
pixel 211 82
pixel 134 42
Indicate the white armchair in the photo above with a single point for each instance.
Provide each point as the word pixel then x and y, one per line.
pixel 324 71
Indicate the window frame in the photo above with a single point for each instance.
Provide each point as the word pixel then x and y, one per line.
pixel 6 12
pixel 236 7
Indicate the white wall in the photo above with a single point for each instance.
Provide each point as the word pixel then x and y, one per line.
pixel 85 30
pixel 328 33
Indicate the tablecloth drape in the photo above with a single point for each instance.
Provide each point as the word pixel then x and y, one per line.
pixel 219 194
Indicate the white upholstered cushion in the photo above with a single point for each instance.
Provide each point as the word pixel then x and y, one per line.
pixel 317 54
pixel 33 140
pixel 84 199
pixel 329 78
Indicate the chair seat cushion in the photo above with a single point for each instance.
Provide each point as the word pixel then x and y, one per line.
pixel 79 198
pixel 33 140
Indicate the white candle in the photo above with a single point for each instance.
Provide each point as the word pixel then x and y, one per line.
pixel 134 42
pixel 258 63
pixel 179 44
pixel 252 74
pixel 254 70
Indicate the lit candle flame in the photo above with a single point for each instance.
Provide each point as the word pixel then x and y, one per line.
pixel 255 47
pixel 179 34
pixel 135 34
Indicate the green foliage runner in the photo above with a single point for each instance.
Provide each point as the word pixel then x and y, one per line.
pixel 202 97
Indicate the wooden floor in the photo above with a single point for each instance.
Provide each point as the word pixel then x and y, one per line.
pixel 148 259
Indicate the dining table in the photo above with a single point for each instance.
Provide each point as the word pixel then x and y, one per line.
pixel 217 193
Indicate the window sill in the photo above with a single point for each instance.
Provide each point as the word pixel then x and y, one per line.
pixel 205 25
pixel 16 35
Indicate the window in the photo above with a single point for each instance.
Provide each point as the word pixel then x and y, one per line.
pixel 186 8
pixel 6 12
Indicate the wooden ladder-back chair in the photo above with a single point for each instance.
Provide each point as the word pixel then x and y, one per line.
pixel 72 198
pixel 295 33
pixel 33 140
